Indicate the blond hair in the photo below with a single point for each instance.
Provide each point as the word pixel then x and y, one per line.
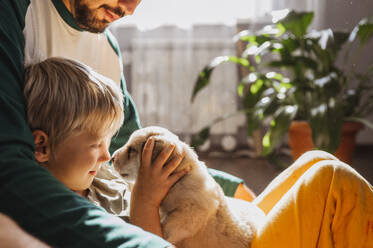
pixel 64 97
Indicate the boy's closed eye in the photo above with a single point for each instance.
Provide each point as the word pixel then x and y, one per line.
pixel 96 145
pixel 101 142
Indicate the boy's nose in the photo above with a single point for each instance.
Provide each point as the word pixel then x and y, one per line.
pixel 105 155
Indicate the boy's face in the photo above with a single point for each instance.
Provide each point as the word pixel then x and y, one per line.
pixel 78 158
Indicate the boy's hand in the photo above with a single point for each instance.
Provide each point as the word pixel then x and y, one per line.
pixel 153 182
pixel 155 179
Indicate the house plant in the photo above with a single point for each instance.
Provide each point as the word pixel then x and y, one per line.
pixel 294 76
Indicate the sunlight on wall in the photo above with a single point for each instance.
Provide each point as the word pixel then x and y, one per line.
pixel 153 13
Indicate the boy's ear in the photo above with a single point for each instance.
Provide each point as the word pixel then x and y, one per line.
pixel 41 146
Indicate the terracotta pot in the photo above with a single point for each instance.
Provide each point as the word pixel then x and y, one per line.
pixel 300 140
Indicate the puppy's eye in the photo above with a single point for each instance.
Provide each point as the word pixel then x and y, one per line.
pixel 131 151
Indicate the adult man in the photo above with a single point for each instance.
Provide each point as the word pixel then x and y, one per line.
pixel 32 31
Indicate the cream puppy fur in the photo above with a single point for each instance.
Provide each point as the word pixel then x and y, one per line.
pixel 195 213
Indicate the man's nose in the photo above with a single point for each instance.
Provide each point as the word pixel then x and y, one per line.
pixel 129 6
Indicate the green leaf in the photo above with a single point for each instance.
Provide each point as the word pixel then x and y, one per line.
pixel 291 63
pixel 297 23
pixel 253 122
pixel 240 61
pixel 200 138
pixel 269 30
pixel 364 30
pixel 326 45
pixel 279 127
pixel 306 62
pixel 250 78
pixel 258 59
pixel 281 29
pixel 254 50
pixel 340 39
pixel 326 122
pixel 365 108
pixel 279 14
pixel 329 40
pixel 257 89
pixel 365 33
pixel 328 86
pixel 274 75
pixel 289 45
pixel 272 107
pixel 350 101
pixel 281 63
pixel 267 105
pixel 243 35
pixel 250 51
pixel 240 89
pixel 325 57
pixel 204 77
pixel 363 121
pixel 259 36
pixel 257 86
pixel 263 48
pixel 323 37
pixel 251 99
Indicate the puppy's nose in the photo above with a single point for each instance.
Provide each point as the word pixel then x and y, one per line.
pixel 113 156
pixel 112 159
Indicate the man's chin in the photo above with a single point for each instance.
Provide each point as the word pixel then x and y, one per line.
pixel 94 28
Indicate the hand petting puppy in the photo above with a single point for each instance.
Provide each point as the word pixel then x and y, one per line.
pixel 193 210
pixel 153 183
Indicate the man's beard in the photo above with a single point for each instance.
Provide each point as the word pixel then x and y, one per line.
pixel 86 19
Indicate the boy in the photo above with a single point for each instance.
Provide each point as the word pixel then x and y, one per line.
pixel 73 113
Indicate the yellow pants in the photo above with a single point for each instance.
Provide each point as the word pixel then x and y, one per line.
pixel 318 201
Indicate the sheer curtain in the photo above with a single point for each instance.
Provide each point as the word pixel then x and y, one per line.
pixel 182 13
pixel 260 8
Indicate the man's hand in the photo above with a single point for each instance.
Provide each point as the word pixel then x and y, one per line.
pixel 153 183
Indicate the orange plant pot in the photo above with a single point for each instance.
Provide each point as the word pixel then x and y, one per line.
pixel 300 140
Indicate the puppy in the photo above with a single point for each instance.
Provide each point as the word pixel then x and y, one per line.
pixel 195 213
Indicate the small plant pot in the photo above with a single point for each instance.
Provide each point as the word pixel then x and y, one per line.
pixel 300 140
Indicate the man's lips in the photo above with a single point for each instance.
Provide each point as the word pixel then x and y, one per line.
pixel 93 173
pixel 111 15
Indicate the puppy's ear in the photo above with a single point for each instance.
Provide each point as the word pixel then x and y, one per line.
pixel 157 148
pixel 41 146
